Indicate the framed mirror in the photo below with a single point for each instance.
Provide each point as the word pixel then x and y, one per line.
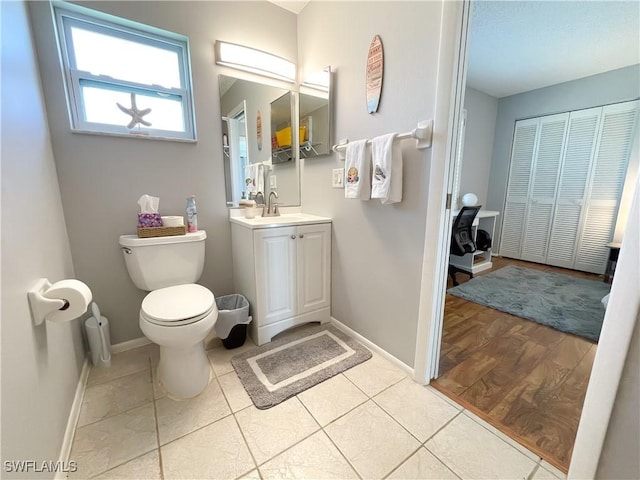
pixel 315 114
pixel 258 138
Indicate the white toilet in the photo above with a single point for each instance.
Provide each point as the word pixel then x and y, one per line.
pixel 178 314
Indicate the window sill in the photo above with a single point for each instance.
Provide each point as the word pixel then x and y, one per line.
pixel 133 135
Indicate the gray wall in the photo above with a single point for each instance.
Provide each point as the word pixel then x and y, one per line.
pixel 482 110
pixel 377 249
pixel 40 365
pixel 611 87
pixel 102 177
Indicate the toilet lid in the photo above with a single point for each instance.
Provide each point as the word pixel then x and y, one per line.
pixel 181 302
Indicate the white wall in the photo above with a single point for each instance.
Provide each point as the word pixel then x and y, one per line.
pixel 619 457
pixel 102 177
pixel 40 365
pixel 607 440
pixel 377 250
pixel 482 110
pixel 611 87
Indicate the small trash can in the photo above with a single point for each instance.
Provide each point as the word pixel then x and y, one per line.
pixel 233 320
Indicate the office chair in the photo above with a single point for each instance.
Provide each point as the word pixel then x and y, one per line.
pixel 462 239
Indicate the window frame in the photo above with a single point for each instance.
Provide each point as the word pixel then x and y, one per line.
pixel 68 16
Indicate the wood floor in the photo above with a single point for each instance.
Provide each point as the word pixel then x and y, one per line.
pixel 526 379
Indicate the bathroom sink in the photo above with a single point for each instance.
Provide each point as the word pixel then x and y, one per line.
pixel 280 221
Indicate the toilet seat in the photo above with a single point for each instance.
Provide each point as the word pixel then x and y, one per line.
pixel 178 305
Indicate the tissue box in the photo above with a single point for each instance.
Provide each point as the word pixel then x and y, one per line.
pixel 146 220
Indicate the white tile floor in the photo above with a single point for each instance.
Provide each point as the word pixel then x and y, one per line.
pixel 372 421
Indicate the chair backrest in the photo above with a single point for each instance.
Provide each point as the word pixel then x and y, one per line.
pixel 461 234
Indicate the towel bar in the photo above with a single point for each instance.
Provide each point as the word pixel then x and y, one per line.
pixel 423 134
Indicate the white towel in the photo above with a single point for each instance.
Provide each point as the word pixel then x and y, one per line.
pixel 386 157
pixel 254 179
pixel 357 170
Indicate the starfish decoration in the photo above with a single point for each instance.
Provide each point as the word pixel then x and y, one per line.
pixel 136 115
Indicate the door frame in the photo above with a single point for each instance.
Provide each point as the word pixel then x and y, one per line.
pixel 451 79
pixel 620 320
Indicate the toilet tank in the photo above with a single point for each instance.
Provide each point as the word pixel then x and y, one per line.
pixel 160 262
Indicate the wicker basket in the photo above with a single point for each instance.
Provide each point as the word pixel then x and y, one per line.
pixel 147 232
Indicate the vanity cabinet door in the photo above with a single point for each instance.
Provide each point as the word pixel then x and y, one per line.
pixel 275 263
pixel 314 262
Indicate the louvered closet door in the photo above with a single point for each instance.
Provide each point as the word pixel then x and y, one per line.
pixel 522 154
pixel 608 174
pixel 542 193
pixel 572 188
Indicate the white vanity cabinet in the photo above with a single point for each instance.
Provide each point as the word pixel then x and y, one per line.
pixel 285 273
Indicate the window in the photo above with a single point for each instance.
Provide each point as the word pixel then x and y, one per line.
pixel 124 78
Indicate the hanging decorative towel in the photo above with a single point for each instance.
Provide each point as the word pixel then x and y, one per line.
pixel 386 157
pixel 357 170
pixel 254 179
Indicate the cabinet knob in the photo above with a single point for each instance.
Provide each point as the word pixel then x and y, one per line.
pixel 293 237
pixel 301 235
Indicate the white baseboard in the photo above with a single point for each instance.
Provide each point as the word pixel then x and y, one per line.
pixel 74 415
pixel 130 344
pixel 368 343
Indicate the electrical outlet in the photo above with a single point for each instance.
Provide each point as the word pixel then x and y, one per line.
pixel 337 179
pixel 272 182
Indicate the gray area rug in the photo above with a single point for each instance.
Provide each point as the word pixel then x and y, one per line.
pixel 287 366
pixel 566 303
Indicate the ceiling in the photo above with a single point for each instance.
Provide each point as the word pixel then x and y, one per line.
pixel 519 46
pixel 294 6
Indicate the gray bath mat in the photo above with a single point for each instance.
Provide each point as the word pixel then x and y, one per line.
pixel 566 303
pixel 285 367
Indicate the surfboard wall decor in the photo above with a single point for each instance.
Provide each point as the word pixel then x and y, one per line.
pixel 375 70
pixel 259 129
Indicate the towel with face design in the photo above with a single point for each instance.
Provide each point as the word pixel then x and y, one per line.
pixel 357 173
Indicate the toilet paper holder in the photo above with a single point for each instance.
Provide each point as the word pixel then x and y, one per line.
pixel 42 306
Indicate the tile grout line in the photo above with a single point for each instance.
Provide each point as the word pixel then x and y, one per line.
pixel 146 347
pixel 402 462
pixel 120 412
pixel 536 467
pixel 370 398
pixel 499 431
pixel 434 434
pixel 296 443
pixel 447 423
pixel 322 429
pixel 155 417
pixel 233 414
pixel 422 444
pixel 138 456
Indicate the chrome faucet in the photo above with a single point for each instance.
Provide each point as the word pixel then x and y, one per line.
pixel 267 211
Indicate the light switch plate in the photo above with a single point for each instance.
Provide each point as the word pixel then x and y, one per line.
pixel 272 182
pixel 337 179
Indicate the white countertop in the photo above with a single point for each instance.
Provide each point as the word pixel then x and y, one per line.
pixel 284 220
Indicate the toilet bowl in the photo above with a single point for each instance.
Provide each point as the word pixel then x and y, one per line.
pixel 178 319
pixel 177 314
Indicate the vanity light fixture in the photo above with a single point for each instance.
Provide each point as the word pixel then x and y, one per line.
pixel 254 61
